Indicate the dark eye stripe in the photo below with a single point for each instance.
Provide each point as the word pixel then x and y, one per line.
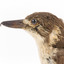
pixel 34 21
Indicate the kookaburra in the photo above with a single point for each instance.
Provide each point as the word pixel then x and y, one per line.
pixel 48 31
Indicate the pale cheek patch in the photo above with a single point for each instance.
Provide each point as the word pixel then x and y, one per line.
pixel 26 21
pixel 53 37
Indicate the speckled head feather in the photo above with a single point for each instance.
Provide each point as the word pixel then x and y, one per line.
pixel 48 31
pixel 47 20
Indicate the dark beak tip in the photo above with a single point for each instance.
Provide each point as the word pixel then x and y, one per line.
pixel 6 23
pixel 3 23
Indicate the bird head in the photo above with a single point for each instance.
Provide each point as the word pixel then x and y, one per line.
pixel 40 23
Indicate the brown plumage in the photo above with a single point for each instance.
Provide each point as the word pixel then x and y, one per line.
pixel 48 31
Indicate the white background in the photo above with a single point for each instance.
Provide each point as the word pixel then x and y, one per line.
pixel 16 45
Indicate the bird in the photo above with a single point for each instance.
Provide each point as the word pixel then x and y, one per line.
pixel 48 31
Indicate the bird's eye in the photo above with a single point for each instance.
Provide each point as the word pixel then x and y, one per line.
pixel 34 21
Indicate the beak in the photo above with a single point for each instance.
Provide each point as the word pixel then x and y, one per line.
pixel 14 24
